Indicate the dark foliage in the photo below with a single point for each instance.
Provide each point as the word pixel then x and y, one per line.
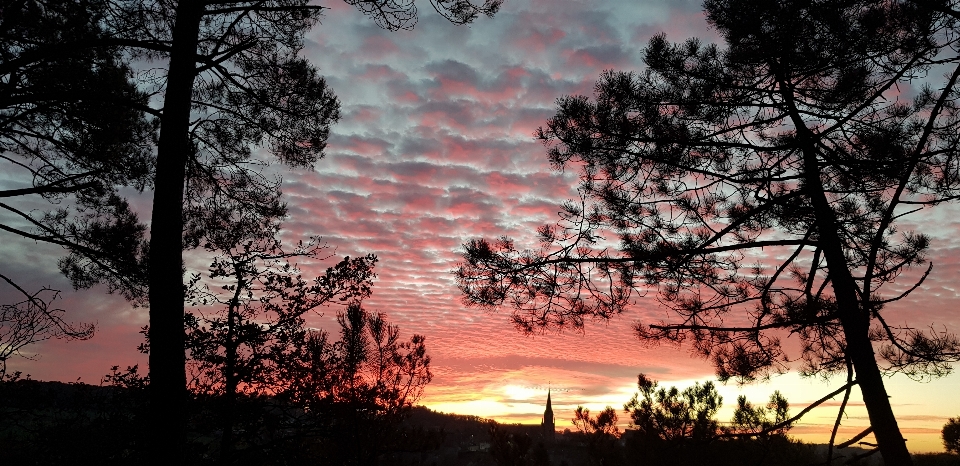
pixel 601 434
pixel 336 402
pixel 510 448
pixel 45 423
pixel 73 131
pixel 936 459
pixel 774 451
pixel 951 435
pixel 51 422
pixel 540 456
pixel 604 424
pixel 664 422
pixel 249 310
pixel 73 423
pixel 271 386
pixel 769 420
pixel 674 427
pixel 672 416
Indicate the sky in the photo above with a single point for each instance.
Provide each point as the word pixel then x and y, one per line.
pixel 435 148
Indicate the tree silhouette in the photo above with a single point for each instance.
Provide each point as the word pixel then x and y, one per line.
pixel 666 425
pixel 601 432
pixel 603 424
pixel 674 416
pixel 73 132
pixel 253 358
pixel 236 348
pixel 757 190
pixel 674 426
pixel 769 420
pixel 233 80
pixel 356 390
pixel 951 435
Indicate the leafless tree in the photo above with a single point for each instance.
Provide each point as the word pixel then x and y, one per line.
pixel 32 320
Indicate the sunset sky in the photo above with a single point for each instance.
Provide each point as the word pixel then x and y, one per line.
pixel 435 148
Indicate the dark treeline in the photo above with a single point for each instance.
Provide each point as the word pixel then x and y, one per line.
pixel 73 423
pixel 671 427
pixel 295 396
pixel 44 423
pixel 263 387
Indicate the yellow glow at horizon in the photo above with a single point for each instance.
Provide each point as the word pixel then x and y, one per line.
pixel 918 406
pixel 485 407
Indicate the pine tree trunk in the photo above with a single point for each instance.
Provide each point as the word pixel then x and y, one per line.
pixel 167 372
pixel 231 379
pixel 853 318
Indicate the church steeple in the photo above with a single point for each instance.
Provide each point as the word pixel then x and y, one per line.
pixel 548 426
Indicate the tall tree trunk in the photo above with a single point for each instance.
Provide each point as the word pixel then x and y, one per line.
pixel 231 377
pixel 854 318
pixel 167 372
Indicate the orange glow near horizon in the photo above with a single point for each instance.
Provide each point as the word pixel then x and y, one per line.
pixel 919 424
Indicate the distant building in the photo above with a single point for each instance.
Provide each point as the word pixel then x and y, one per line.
pixel 547 426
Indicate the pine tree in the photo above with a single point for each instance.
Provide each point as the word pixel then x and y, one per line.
pixel 757 190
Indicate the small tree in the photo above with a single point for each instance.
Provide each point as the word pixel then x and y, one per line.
pixel 668 426
pixel 602 434
pixel 765 421
pixel 674 416
pixel 357 390
pixel 251 354
pixel 951 435
pixel 235 351
pixel 602 425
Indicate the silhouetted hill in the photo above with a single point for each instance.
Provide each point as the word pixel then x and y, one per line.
pixel 936 459
pixel 69 423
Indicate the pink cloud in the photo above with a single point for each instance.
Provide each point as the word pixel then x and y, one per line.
pixel 531 40
pixel 378 46
pixel 597 58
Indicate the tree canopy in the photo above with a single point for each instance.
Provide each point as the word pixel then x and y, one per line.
pixel 674 416
pixel 72 135
pixel 757 190
pixel 73 132
pixel 951 435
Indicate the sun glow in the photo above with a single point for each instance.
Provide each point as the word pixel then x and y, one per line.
pixel 519 392
pixel 486 407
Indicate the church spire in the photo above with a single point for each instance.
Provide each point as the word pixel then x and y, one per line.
pixel 548 426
